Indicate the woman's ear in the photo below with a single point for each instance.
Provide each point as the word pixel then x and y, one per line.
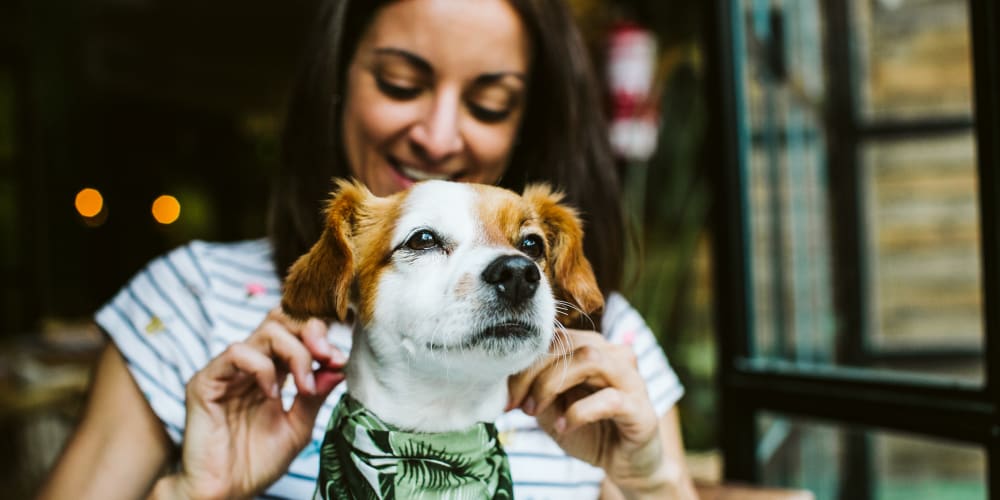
pixel 319 282
pixel 570 272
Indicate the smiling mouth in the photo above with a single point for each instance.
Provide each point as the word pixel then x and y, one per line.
pixel 494 336
pixel 415 174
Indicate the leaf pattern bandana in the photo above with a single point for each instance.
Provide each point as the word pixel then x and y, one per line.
pixel 363 458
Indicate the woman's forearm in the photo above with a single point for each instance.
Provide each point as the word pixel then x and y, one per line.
pixel 119 447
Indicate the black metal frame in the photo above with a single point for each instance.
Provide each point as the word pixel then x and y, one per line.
pixel 969 414
pixel 985 16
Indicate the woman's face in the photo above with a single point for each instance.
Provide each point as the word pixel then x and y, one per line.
pixel 435 90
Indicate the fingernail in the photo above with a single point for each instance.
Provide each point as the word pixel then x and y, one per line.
pixel 320 328
pixel 310 383
pixel 560 425
pixel 337 357
pixel 529 406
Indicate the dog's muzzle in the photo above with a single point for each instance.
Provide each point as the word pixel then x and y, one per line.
pixel 515 278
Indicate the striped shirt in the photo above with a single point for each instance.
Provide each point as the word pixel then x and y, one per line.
pixel 187 306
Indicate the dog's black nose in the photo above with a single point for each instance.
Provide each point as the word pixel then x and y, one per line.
pixel 515 278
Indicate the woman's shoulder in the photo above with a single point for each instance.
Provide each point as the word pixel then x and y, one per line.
pixel 208 264
pixel 246 252
pixel 192 290
pixel 618 315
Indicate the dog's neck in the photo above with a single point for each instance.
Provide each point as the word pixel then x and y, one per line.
pixel 419 398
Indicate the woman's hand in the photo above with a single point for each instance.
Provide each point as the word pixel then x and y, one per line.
pixel 238 437
pixel 588 395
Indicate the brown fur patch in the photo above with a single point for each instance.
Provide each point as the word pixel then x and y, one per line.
pixel 373 242
pixel 353 248
pixel 318 283
pixel 502 215
pixel 568 269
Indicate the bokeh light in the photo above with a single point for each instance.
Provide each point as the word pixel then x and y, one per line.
pixel 89 202
pixel 166 209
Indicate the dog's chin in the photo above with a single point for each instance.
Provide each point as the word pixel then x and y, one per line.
pixel 506 338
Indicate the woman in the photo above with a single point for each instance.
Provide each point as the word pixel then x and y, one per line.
pixel 489 91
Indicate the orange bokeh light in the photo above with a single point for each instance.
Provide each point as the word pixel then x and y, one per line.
pixel 166 209
pixel 89 202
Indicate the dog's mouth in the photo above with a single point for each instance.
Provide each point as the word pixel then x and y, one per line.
pixel 497 336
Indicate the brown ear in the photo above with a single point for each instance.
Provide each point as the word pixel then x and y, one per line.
pixel 572 277
pixel 319 282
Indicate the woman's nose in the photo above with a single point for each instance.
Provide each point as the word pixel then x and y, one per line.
pixel 437 136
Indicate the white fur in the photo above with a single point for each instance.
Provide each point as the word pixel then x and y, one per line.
pixel 408 364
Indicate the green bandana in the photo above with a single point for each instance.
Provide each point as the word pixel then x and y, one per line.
pixel 364 458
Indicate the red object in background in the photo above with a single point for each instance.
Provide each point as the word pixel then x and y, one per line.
pixel 630 72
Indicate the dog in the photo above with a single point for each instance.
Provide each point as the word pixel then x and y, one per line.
pixel 451 288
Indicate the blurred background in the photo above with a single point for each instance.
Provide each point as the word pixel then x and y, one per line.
pixel 844 130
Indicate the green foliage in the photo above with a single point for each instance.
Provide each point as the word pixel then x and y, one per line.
pixel 667 200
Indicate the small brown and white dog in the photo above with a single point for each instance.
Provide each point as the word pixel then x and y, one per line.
pixel 452 288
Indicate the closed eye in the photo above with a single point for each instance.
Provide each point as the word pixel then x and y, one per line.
pixel 487 115
pixel 397 92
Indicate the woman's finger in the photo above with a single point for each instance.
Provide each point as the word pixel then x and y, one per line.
pixel 305 407
pixel 634 422
pixel 565 340
pixel 312 333
pixel 581 367
pixel 519 384
pixel 314 337
pixel 275 341
pixel 238 358
pixel 595 365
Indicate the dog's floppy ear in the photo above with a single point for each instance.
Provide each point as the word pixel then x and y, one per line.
pixel 573 278
pixel 319 282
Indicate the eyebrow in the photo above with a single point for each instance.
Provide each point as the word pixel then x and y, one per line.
pixel 412 58
pixel 426 67
pixel 489 78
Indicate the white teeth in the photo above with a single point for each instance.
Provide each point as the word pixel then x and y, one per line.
pixel 420 175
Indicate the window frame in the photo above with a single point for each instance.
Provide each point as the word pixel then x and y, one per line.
pixel 925 406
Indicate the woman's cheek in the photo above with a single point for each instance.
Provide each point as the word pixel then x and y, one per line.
pixel 492 148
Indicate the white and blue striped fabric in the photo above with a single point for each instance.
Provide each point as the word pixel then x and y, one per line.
pixel 187 306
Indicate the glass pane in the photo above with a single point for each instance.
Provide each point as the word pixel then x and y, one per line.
pixel 914 58
pixel 785 175
pixel 835 462
pixel 918 233
pixel 923 244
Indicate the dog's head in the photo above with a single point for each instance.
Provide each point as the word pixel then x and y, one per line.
pixel 448 270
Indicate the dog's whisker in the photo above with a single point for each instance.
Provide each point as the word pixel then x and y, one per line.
pixel 560 304
pixel 562 343
pixel 564 347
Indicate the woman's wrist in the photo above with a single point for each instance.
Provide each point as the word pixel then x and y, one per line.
pixel 670 481
pixel 167 488
pixel 173 487
pixel 660 478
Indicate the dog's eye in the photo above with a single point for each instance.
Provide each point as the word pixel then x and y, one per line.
pixel 422 240
pixel 532 246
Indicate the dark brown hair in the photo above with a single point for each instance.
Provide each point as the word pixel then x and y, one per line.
pixel 562 139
